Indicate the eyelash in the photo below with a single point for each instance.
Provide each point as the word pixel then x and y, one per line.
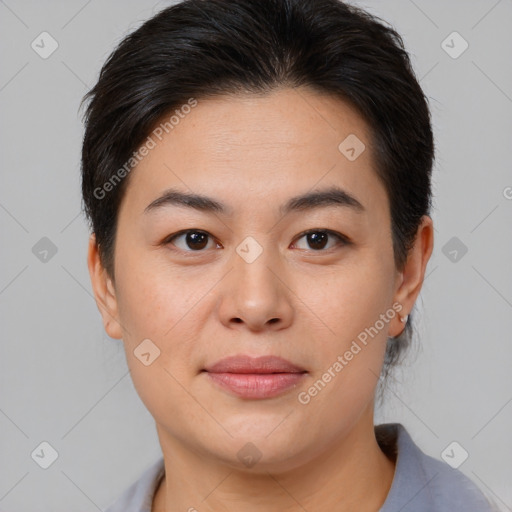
pixel 342 239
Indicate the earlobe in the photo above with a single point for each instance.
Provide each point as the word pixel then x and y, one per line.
pixel 412 277
pixel 104 291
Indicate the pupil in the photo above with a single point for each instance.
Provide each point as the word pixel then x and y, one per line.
pixel 317 240
pixel 197 240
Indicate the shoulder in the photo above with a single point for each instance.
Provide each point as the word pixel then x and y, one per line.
pixel 423 483
pixel 139 496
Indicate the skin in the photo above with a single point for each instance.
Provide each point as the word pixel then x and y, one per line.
pixel 253 153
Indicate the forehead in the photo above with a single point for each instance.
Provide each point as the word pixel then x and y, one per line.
pixel 256 147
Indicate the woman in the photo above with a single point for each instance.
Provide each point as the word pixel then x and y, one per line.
pixel 257 177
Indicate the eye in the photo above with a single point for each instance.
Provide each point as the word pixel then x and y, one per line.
pixel 191 240
pixel 194 240
pixel 319 239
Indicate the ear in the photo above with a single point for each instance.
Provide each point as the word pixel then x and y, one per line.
pixel 410 280
pixel 104 292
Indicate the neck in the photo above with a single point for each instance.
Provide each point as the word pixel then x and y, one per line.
pixel 351 474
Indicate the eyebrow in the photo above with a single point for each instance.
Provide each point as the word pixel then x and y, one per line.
pixel 333 196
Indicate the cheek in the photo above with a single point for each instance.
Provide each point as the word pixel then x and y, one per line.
pixel 152 299
pixel 350 299
pixel 352 336
pixel 166 306
pixel 154 307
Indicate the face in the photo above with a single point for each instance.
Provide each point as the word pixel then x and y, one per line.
pixel 290 255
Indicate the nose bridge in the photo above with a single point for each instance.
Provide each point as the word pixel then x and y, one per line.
pixel 255 295
pixel 255 283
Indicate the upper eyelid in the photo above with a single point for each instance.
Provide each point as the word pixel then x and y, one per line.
pixel 343 239
pixel 323 230
pixel 168 239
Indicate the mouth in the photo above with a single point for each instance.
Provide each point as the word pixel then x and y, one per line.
pixel 255 378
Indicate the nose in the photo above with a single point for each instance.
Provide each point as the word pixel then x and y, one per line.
pixel 254 296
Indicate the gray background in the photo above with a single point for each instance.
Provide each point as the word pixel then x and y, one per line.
pixel 65 382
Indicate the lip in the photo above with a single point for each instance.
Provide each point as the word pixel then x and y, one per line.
pixel 249 364
pixel 255 377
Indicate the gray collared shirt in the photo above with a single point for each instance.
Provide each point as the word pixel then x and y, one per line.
pixel 420 484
